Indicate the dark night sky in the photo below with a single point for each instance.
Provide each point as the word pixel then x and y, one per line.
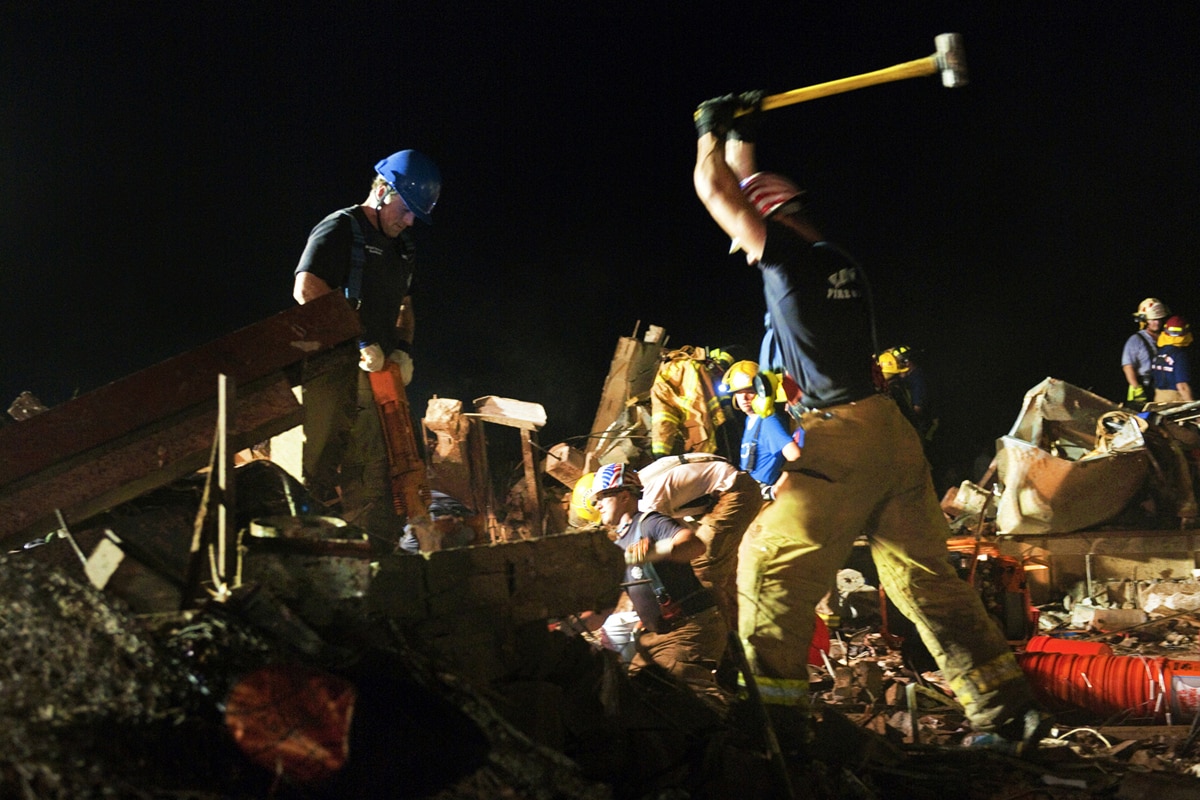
pixel 163 163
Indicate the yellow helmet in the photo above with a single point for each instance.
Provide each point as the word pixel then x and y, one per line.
pixel 720 358
pixel 894 361
pixel 582 506
pixel 740 376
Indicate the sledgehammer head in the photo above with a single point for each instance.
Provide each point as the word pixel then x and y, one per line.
pixel 951 59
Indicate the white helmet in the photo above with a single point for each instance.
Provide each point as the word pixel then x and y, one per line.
pixel 1152 308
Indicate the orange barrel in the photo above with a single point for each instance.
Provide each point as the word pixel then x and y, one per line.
pixel 1161 688
pixel 1054 644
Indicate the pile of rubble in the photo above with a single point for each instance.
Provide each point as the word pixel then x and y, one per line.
pixel 100 702
pixel 328 666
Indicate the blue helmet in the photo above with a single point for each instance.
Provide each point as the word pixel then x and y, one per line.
pixel 415 178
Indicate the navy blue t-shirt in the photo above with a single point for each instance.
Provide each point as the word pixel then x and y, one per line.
pixel 678 579
pixel 1171 367
pixel 819 305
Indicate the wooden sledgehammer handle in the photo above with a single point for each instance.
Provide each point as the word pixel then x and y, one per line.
pixel 910 69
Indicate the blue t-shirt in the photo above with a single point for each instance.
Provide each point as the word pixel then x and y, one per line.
pixel 762 447
pixel 1139 351
pixel 1172 366
pixel 820 315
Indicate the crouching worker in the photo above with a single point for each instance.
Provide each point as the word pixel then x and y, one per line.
pixel 719 501
pixel 681 629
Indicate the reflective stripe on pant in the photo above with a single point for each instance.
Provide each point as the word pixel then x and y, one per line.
pixel 721 530
pixel 780 691
pixel 863 471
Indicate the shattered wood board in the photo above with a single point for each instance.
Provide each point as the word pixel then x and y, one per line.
pixel 123 470
pixel 514 413
pixel 172 386
pixel 632 371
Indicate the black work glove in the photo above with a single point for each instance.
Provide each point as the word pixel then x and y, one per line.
pixel 715 116
pixel 745 125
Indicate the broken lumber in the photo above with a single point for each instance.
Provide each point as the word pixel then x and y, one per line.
pixel 155 426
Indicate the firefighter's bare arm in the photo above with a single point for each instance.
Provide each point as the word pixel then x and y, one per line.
pixel 309 287
pixel 1130 374
pixel 741 158
pixel 718 189
pixel 1185 391
pixel 682 547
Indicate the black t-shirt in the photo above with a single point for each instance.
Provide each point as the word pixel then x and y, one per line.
pixel 387 275
pixel 679 580
pixel 819 305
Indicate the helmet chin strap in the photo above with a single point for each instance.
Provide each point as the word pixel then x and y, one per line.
pixel 378 204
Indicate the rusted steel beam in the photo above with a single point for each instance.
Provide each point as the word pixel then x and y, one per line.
pixel 107 476
pixel 172 387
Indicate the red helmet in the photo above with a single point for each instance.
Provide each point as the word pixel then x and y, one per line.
pixel 767 191
pixel 1177 326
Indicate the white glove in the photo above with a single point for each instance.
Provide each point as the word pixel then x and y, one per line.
pixel 371 358
pixel 406 365
pixel 645 550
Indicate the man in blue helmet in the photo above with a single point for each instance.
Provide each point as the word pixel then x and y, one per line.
pixel 862 470
pixel 366 252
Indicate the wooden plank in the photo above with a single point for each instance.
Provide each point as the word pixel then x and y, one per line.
pixel 1143 732
pixel 513 413
pixel 172 386
pixel 533 483
pixel 102 478
pixel 632 371
pixel 480 476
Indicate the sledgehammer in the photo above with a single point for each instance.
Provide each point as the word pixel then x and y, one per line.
pixel 950 60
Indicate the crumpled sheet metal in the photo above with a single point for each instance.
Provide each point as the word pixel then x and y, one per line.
pixel 1045 492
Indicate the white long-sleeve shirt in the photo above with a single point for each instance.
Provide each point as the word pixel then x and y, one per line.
pixel 685 488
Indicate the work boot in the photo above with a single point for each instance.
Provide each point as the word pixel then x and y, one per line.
pixel 1019 736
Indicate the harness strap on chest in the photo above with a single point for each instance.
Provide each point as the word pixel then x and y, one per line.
pixel 358 257
pixel 647 568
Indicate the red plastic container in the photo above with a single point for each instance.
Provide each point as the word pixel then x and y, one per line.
pixel 820 643
pixel 1053 644
pixel 1165 689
